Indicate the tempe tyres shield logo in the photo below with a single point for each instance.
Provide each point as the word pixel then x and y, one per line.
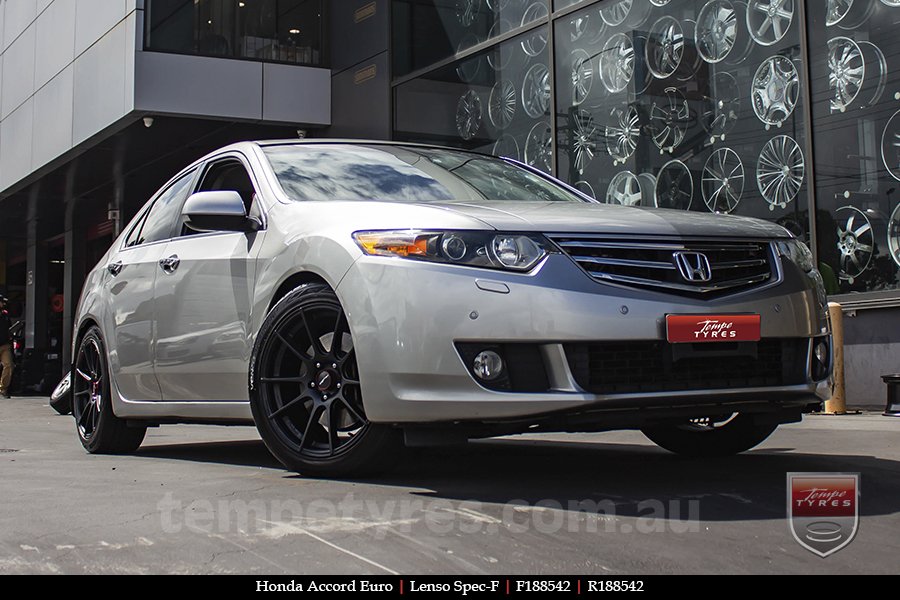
pixel 823 510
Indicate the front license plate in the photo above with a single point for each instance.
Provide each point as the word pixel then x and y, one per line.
pixel 684 329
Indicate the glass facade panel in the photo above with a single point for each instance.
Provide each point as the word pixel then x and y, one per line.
pixel 855 72
pixel 497 102
pixel 427 31
pixel 288 31
pixel 725 106
pixel 688 105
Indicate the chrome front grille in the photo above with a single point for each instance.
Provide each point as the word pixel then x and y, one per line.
pixel 727 267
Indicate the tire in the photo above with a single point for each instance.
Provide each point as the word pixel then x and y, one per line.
pixel 301 383
pixel 711 437
pixel 99 429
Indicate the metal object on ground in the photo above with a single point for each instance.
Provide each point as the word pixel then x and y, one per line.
pixel 892 409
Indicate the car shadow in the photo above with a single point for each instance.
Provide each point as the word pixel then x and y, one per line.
pixel 750 486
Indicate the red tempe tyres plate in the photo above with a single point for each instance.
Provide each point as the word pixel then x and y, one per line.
pixel 683 329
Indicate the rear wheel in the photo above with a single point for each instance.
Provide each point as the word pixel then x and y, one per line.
pixel 721 435
pixel 305 392
pixel 99 430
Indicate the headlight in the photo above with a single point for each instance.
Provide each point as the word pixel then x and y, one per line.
pixel 798 253
pixel 485 249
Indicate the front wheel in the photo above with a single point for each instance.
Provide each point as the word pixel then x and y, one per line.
pixel 305 392
pixel 722 435
pixel 99 429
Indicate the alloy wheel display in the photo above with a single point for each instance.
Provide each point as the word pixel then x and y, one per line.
pixel 468 115
pixel 582 76
pixel 717 30
pixel 623 132
pixel 507 147
pixel 665 47
pixel 539 147
pixel 674 186
pixel 467 11
pixel 502 104
pixel 617 63
pixel 890 146
pixel 847 70
pixel 775 90
pixel 769 20
pixel 584 139
pixel 723 181
pixel 721 110
pixel 856 242
pixel 615 14
pixel 535 42
pixel 536 91
pixel 669 118
pixel 625 189
pixel 780 171
pixel 893 235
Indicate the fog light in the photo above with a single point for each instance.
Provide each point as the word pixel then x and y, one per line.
pixel 488 366
pixel 822 352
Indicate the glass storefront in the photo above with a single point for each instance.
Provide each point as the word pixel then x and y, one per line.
pixel 724 106
pixel 288 31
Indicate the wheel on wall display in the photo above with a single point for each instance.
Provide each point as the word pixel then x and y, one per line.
pixel 873 87
pixel 502 104
pixel 775 91
pixel 468 69
pixel 669 119
pixel 674 186
pixel 617 63
pixel 856 242
pixel 743 44
pixel 890 146
pixel 769 20
pixel 780 171
pixel 614 14
pixel 539 147
pixel 716 30
pixel 665 47
pixel 585 188
pixel 583 139
pixel 500 58
pixel 893 235
pixel 723 181
pixel 467 11
pixel 846 72
pixel 722 107
pixel 507 147
pixel 625 189
pixel 469 114
pixel 847 14
pixel 623 131
pixel 535 42
pixel 582 76
pixel 536 91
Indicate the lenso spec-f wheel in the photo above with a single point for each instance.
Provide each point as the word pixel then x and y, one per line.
pixel 305 392
pixel 99 429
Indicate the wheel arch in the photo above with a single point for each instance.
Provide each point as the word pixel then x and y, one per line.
pixel 291 283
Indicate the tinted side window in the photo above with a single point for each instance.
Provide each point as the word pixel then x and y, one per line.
pixel 133 234
pixel 165 211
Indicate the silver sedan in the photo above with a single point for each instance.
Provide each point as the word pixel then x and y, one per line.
pixel 350 297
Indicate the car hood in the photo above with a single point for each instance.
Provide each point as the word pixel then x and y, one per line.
pixel 566 217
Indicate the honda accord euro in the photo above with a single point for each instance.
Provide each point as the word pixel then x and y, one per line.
pixel 350 297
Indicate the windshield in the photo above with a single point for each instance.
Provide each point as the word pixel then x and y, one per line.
pixel 320 172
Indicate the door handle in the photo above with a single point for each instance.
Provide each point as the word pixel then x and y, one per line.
pixel 115 268
pixel 170 265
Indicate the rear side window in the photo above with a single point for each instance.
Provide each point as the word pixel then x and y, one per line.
pixel 161 219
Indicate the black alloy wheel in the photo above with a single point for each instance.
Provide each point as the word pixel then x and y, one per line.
pixel 99 430
pixel 306 394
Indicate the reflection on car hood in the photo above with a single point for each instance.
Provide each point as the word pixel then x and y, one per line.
pixel 559 217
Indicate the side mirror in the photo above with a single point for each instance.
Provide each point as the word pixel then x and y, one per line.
pixel 217 211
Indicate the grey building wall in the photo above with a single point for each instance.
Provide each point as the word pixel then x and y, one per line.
pixel 871 349
pixel 73 70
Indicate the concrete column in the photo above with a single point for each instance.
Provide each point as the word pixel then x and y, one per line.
pixel 74 276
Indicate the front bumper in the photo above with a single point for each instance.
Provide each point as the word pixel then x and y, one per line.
pixel 407 318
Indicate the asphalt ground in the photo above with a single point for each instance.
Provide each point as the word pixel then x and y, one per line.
pixel 212 500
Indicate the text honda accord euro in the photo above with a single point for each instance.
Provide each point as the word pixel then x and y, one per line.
pixel 347 297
